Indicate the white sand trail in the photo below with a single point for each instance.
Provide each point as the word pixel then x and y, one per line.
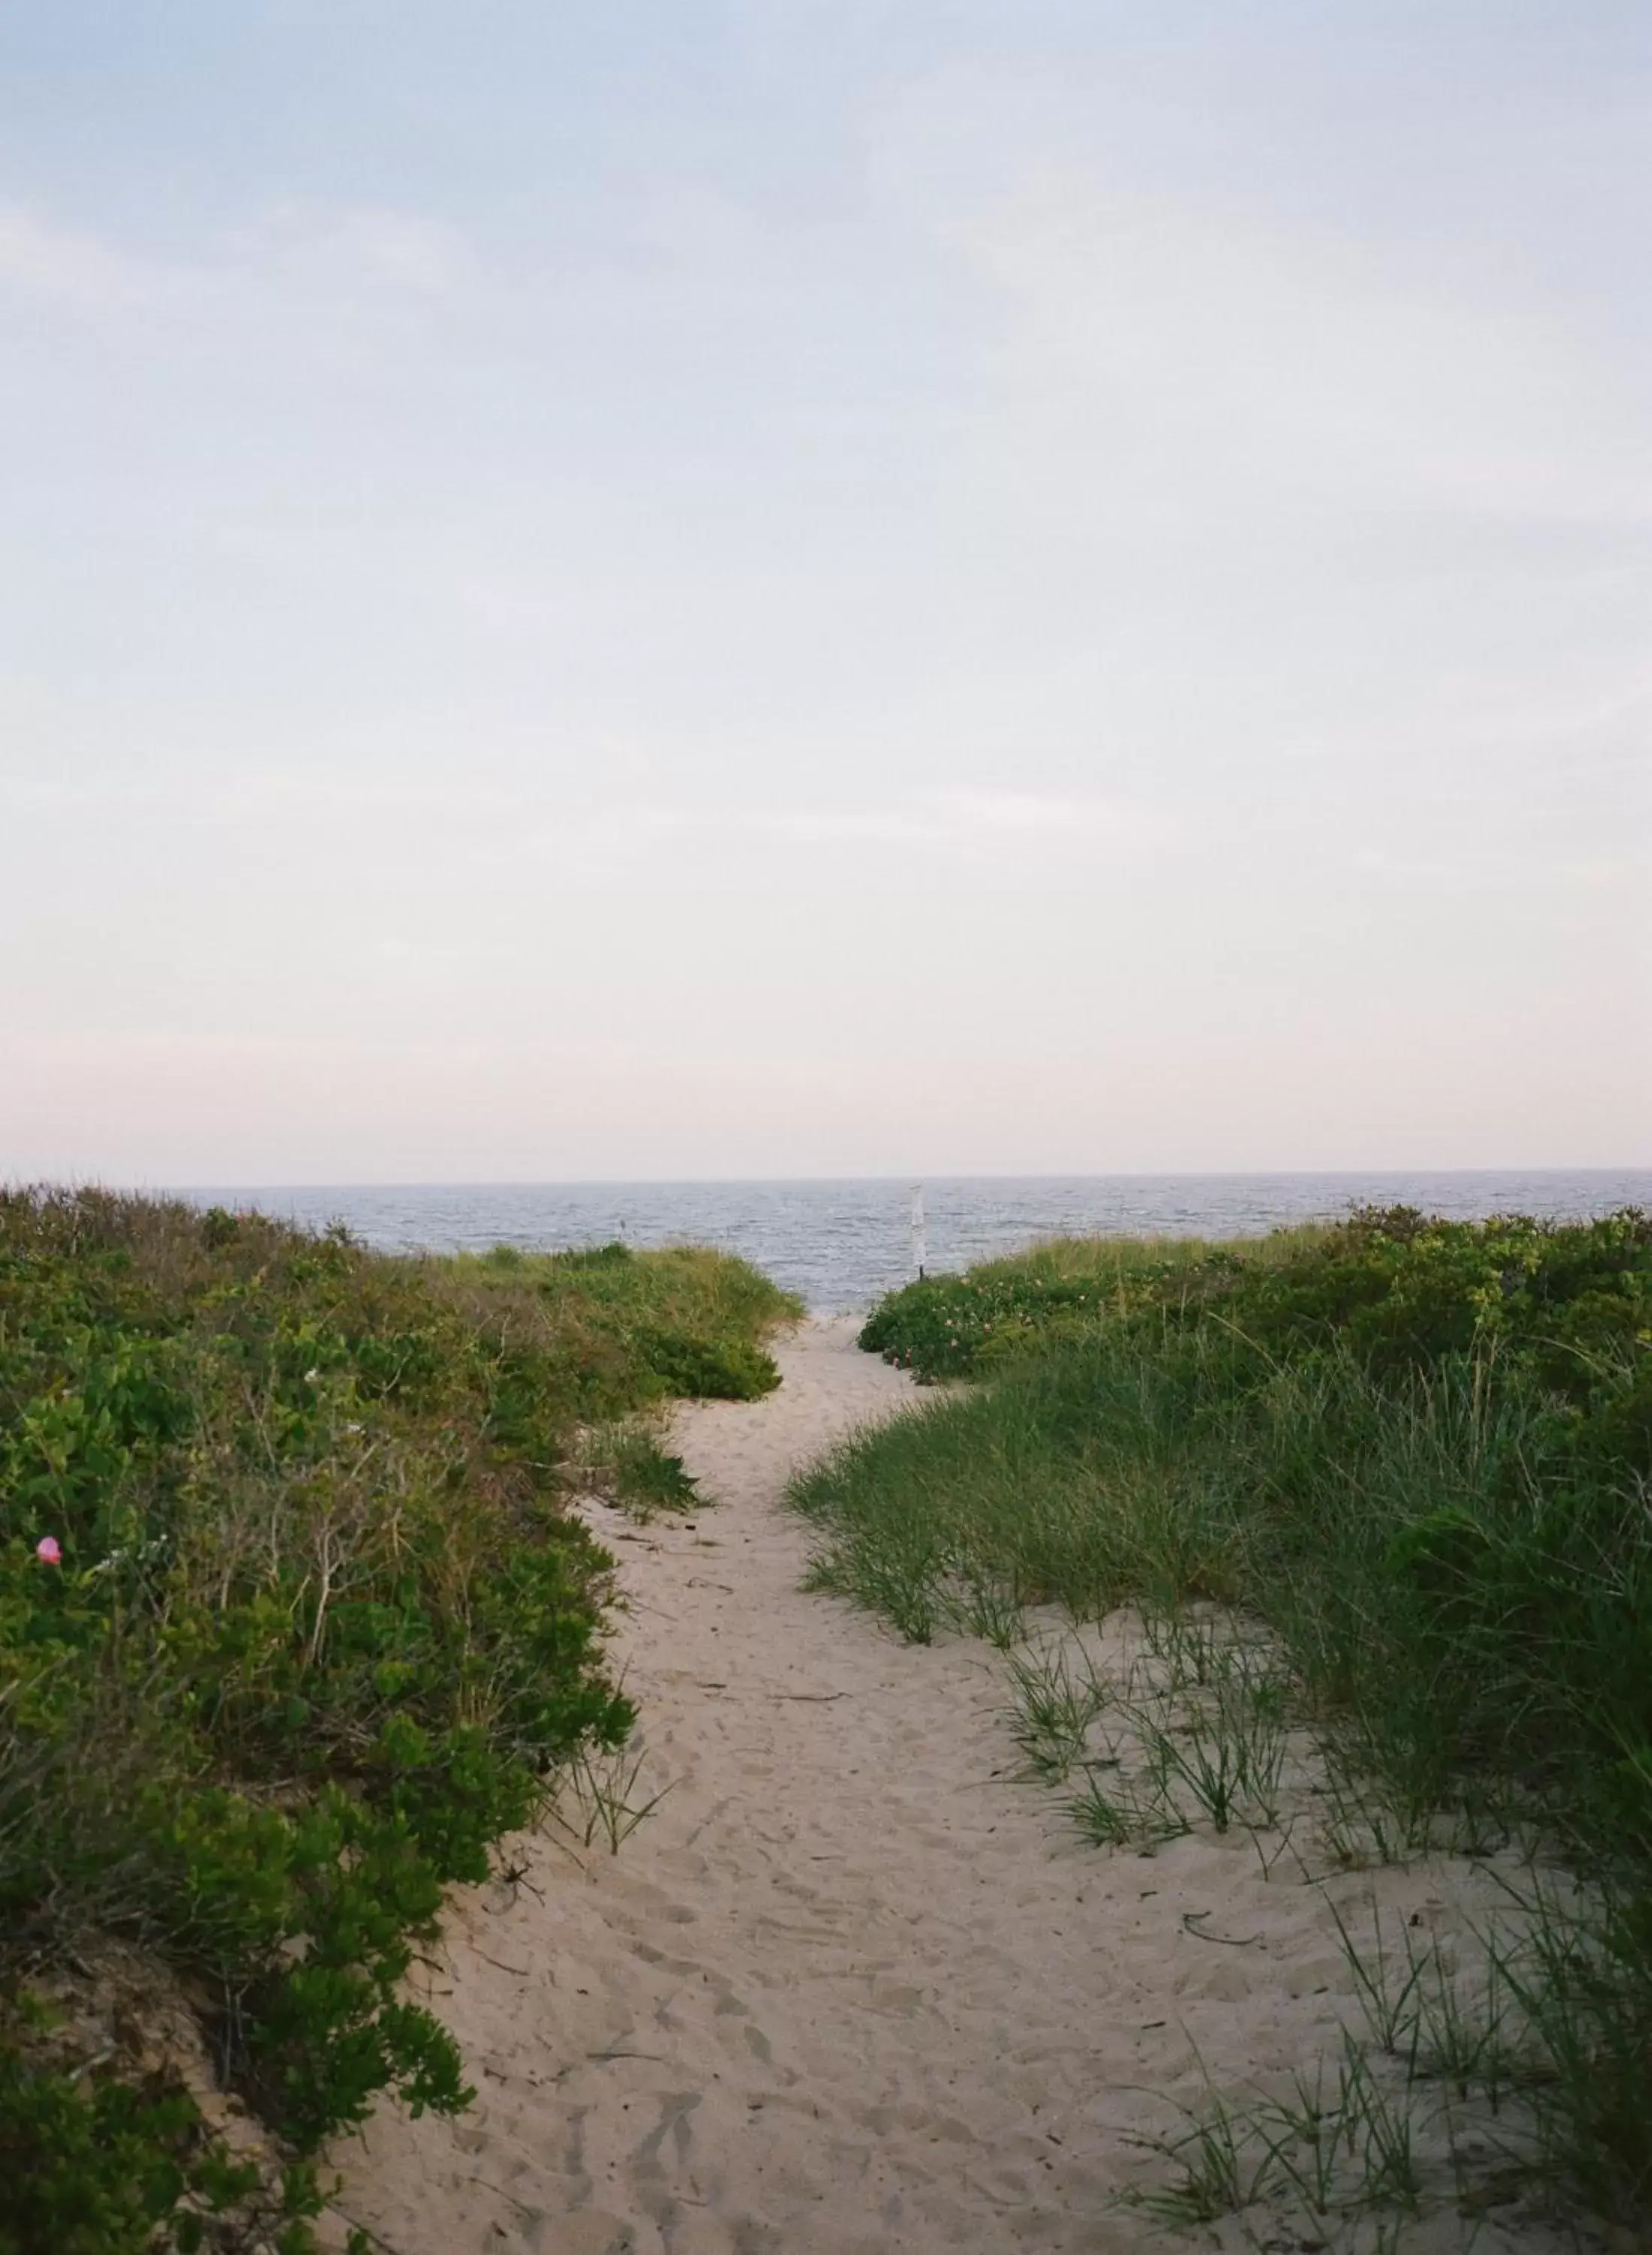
pixel 849 1988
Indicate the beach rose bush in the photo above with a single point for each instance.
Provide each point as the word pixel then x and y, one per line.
pixel 293 1626
pixel 961 1326
pixel 1397 1289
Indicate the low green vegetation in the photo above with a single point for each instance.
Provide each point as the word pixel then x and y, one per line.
pixel 293 1627
pixel 951 1326
pixel 614 1329
pixel 1410 1460
pixel 626 1462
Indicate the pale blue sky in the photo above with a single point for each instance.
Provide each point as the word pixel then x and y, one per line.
pixel 817 587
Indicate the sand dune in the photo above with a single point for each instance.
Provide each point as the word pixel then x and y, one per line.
pixel 850 1987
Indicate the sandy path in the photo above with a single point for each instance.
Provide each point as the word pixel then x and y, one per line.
pixel 846 1989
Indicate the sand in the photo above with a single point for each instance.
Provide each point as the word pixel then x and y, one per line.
pixel 851 1986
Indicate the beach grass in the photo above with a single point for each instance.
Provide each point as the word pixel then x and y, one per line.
pixel 294 1626
pixel 615 1329
pixel 1406 1464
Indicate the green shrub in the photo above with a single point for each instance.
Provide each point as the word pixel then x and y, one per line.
pixel 719 1371
pixel 293 1626
pixel 1399 1290
pixel 88 2169
pixel 95 2162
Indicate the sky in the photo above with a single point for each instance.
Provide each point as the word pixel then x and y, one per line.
pixel 671 588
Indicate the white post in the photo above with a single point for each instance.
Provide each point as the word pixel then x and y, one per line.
pixel 920 1250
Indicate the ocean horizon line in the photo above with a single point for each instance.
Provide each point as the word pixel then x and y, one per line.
pixel 907 1175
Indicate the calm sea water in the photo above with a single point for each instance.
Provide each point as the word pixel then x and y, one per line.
pixel 841 1244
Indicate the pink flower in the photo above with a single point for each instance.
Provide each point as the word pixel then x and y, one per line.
pixel 49 1550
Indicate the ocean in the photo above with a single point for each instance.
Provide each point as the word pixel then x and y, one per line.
pixel 842 1244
